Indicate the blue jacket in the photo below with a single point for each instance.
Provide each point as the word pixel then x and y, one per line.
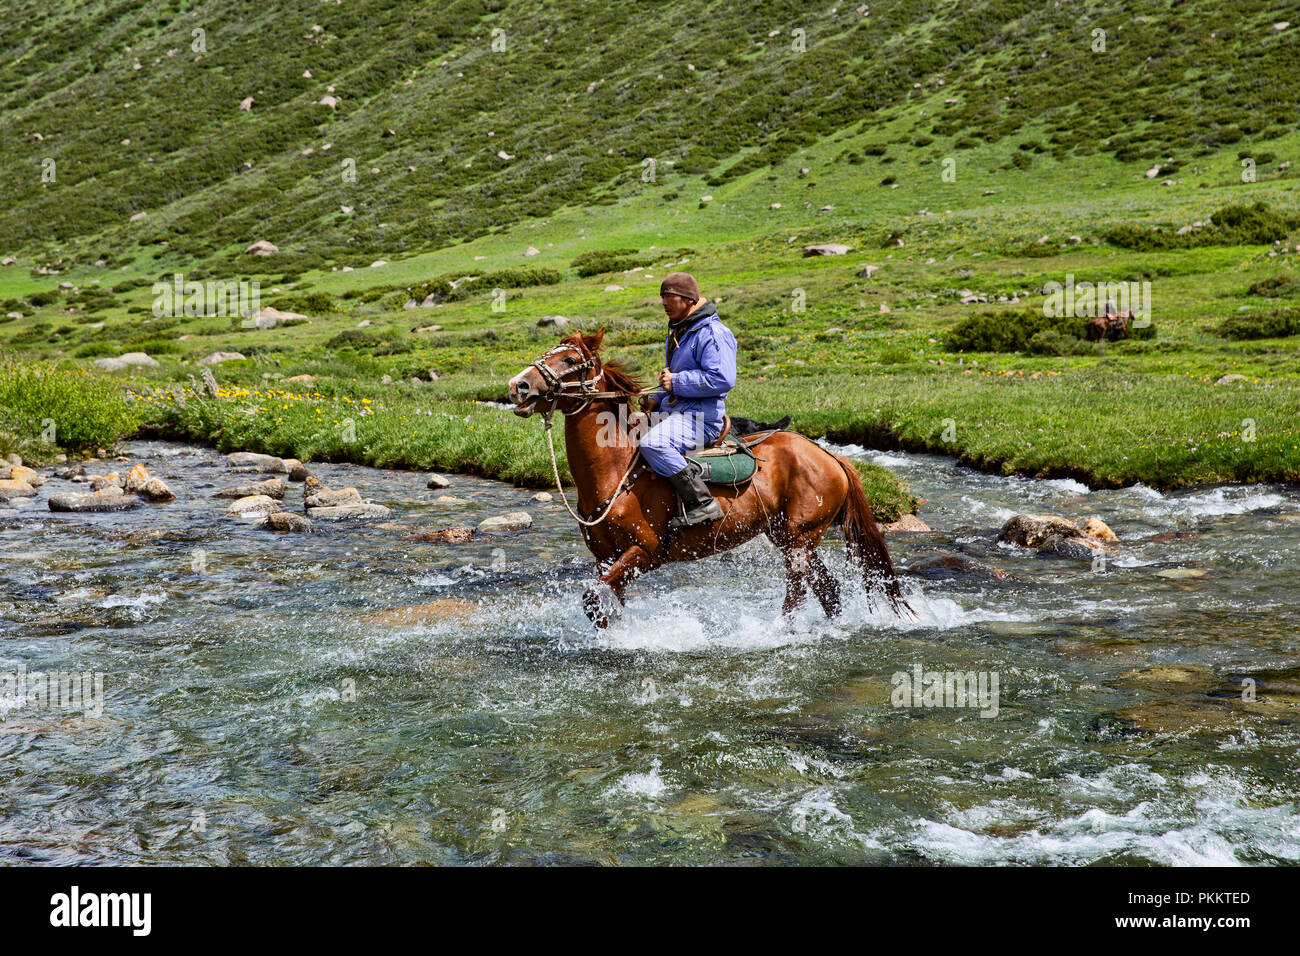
pixel 703 366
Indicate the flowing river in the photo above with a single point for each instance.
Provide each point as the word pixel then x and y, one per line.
pixel 361 696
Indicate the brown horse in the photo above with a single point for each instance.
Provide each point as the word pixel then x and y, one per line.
pixel 799 490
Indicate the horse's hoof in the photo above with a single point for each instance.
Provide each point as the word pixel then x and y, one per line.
pixel 598 602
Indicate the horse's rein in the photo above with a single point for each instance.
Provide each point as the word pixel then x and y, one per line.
pixel 585 387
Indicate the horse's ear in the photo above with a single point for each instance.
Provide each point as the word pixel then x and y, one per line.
pixel 592 342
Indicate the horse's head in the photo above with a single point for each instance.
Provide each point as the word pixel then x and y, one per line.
pixel 559 378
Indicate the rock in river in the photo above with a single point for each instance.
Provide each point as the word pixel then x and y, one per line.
pixel 335 499
pixel 351 512
pixel 1030 531
pixel 15 488
pixel 511 521
pixel 111 498
pixel 140 482
pixel 246 462
pixel 910 523
pixel 253 506
pixel 285 521
pixel 272 488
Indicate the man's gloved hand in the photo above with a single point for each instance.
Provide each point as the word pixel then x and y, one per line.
pixel 666 380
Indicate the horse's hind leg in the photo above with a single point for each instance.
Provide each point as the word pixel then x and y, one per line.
pixel 824 584
pixel 796 577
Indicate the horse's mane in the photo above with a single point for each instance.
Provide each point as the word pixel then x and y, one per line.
pixel 617 377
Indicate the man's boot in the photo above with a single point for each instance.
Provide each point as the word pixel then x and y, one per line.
pixel 694 496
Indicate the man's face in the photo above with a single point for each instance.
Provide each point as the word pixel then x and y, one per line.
pixel 676 307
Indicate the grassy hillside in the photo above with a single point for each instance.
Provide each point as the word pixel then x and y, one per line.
pixel 966 151
pixel 142 115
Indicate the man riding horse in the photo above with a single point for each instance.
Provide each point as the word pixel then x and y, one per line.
pixel 701 370
pixel 793 494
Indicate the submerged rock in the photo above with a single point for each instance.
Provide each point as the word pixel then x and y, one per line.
pixel 951 565
pixel 447 535
pixel 421 613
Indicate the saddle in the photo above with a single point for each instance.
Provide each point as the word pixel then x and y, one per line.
pixel 730 457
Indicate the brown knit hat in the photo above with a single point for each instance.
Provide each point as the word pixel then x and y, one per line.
pixel 680 283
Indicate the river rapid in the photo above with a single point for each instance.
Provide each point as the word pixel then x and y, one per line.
pixel 358 695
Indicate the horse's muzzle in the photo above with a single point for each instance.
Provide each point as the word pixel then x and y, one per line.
pixel 523 396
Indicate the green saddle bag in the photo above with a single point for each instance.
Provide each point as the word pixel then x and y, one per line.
pixel 730 463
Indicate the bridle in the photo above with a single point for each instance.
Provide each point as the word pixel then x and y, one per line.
pixel 585 387
pixel 556 386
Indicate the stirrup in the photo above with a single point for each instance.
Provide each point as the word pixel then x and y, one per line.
pixel 700 514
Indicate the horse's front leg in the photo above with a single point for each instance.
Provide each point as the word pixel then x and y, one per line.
pixel 632 562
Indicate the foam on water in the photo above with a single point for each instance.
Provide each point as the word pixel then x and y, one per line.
pixel 137 601
pixel 642 786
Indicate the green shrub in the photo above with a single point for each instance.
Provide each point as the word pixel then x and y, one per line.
pixel 1054 342
pixel 601 261
pixel 87 411
pixel 311 303
pixel 1010 330
pixel 1243 225
pixel 97 350
pixel 353 339
pixel 39 332
pixel 1272 325
pixel 1280 286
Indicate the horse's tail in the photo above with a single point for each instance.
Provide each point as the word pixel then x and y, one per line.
pixel 865 543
